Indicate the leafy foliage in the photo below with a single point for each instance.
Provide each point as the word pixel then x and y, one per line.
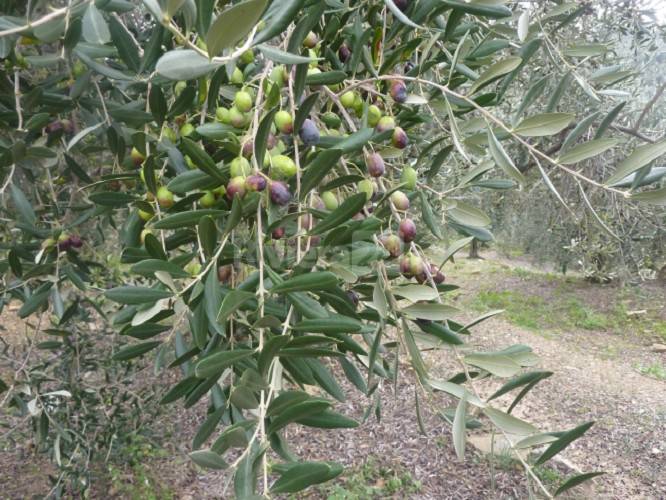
pixel 256 166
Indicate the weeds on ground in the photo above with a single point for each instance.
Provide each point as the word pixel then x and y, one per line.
pixel 372 480
pixel 655 370
pixel 130 475
pixel 563 310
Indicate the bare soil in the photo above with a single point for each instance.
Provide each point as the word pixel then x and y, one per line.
pixel 595 379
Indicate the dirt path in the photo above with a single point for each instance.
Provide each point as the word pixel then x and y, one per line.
pixel 595 348
pixel 628 440
pixel 596 376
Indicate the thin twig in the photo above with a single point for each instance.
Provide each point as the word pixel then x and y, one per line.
pixel 48 17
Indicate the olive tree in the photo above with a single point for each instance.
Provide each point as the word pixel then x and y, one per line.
pixel 248 191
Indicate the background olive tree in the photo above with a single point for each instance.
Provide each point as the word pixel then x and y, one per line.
pixel 616 240
pixel 247 191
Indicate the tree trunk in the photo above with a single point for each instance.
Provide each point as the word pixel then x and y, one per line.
pixel 474 250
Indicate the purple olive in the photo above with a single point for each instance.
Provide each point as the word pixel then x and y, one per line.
pixel 248 149
pixel 236 187
pixel 67 126
pixel 280 194
pixel 353 298
pixel 318 203
pixel 399 138
pixel 54 126
pixel 375 164
pixel 409 65
pixel 278 233
pixel 75 241
pixel 437 275
pixel 255 182
pixel 309 133
pixel 406 267
pixel 224 273
pixel 401 4
pixel 306 222
pixel 271 142
pixel 407 230
pixel 344 53
pixel 398 91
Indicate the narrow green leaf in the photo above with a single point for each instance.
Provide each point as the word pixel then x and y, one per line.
pixel 213 299
pixel 207 427
pixel 586 150
pixel 333 324
pixel 208 459
pixel 343 213
pixel 325 78
pixel 429 216
pixel 184 64
pixel 200 158
pixel 282 57
pixel 586 50
pixel 479 9
pixel 318 280
pixel 95 29
pixel 146 330
pixel 235 215
pixel 497 364
pixel 136 294
pixel 575 481
pixel 608 119
pixel 328 419
pixel 656 197
pixel 441 331
pixel 218 362
pixel 459 428
pixel 503 159
pixel 356 140
pixel 495 71
pixel 125 43
pixel 416 293
pixel 135 350
pixel 24 207
pixel 509 423
pixel 33 303
pixel 232 302
pixel 641 156
pixel 433 312
pixel 207 235
pixel 279 21
pixel 299 476
pixel 400 16
pixel 318 168
pixel 233 24
pixel 544 124
pixel 578 131
pixel 563 441
pixel 188 218
pixel 261 137
pixel 297 412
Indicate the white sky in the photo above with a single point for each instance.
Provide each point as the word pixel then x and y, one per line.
pixel 660 9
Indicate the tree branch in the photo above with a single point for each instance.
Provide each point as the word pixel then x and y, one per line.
pixel 649 106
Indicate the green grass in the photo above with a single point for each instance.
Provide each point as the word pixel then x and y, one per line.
pixel 522 310
pixel 655 370
pixel 533 312
pixel 564 310
pixel 370 481
pixel 660 329
pixel 130 475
